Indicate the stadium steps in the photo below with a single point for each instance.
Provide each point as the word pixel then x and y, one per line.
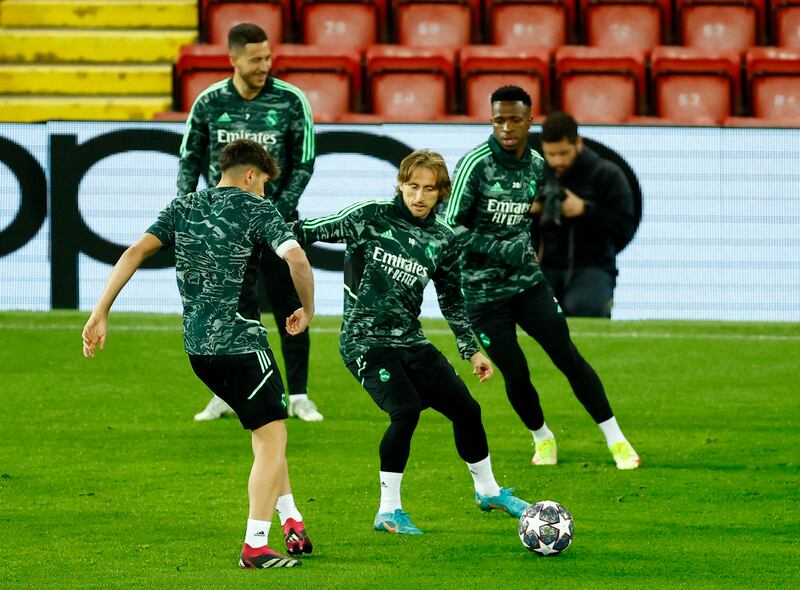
pixel 101 14
pixel 90 59
pixel 72 79
pixel 91 45
pixel 88 108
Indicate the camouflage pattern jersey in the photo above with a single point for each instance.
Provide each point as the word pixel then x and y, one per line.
pixel 218 235
pixel 390 257
pixel 279 118
pixel 489 209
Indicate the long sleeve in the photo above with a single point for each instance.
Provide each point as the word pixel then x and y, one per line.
pixel 447 280
pixel 614 216
pixel 302 154
pixel 338 227
pixel 462 198
pixel 194 148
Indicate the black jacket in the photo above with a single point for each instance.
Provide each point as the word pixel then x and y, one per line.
pixel 589 240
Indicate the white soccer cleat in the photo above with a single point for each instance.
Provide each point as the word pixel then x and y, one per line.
pixel 216 408
pixel 546 452
pixel 624 455
pixel 304 409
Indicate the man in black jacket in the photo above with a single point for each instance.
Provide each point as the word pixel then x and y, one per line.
pixel 585 208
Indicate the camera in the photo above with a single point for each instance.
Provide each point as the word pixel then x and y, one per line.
pixel 551 195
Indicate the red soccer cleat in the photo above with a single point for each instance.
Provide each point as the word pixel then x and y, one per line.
pixel 264 558
pixel 295 537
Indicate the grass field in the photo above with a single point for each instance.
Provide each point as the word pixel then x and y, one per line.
pixel 105 481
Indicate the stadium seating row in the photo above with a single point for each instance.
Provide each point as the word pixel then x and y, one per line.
pixel 644 24
pixel 596 85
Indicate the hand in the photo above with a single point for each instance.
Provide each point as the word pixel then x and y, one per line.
pixel 536 208
pixel 572 205
pixel 94 334
pixel 481 366
pixel 298 322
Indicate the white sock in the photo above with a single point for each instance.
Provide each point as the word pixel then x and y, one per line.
pixel 296 397
pixel 287 509
pixel 257 534
pixel 390 491
pixel 611 429
pixel 482 475
pixel 543 433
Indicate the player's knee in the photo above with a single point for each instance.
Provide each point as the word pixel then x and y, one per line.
pixel 407 412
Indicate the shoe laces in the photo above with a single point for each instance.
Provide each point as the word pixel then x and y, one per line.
pixel 402 518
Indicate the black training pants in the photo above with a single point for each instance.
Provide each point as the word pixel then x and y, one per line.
pixel 403 382
pixel 284 300
pixel 536 311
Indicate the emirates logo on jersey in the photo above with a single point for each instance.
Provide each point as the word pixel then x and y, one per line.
pixel 262 137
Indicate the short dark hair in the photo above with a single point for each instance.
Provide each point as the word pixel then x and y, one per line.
pixel 511 94
pixel 245 33
pixel 246 152
pixel 559 125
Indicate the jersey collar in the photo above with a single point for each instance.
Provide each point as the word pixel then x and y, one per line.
pixel 507 159
pixel 403 211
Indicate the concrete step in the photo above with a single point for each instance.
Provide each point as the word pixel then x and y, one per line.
pixel 86 79
pixel 91 46
pixel 25 109
pixel 110 14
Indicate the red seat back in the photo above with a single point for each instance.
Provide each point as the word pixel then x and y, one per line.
pixel 773 77
pixel 422 24
pixel 198 66
pixel 219 16
pixel 641 24
pixel 600 85
pixel 412 84
pixel 692 84
pixel 330 77
pixel 341 24
pixel 721 25
pixel 530 22
pixel 484 68
pixel 786 22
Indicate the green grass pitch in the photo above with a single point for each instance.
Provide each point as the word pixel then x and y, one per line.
pixel 105 481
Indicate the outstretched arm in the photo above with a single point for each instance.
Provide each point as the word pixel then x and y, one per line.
pixel 303 279
pixel 94 333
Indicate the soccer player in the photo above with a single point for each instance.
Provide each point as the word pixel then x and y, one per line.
pixel 490 208
pixel 254 105
pixel 394 248
pixel 218 236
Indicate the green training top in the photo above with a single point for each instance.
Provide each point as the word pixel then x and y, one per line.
pixel 390 257
pixel 279 118
pixel 218 235
pixel 489 209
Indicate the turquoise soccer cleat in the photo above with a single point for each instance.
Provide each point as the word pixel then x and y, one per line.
pixel 397 522
pixel 503 501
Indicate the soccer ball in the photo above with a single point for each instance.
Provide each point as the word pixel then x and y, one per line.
pixel 546 528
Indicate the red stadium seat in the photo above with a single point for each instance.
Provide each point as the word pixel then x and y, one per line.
pixel 640 24
pixel 342 24
pixel 720 25
pixel 330 77
pixel 218 16
pixel 545 23
pixel 773 79
pixel 198 67
pixel 600 85
pixel 433 23
pixel 695 85
pixel 410 84
pixel 786 22
pixel 484 68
